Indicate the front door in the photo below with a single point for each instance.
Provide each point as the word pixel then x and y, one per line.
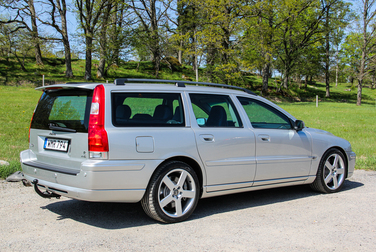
pixel 283 154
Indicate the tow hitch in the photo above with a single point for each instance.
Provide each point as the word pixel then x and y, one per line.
pixel 45 194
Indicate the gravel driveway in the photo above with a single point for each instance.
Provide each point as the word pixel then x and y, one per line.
pixel 285 219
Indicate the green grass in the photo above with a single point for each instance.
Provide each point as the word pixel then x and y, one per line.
pixel 17 106
pixel 353 123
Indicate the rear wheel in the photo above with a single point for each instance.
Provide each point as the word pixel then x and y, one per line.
pixel 331 173
pixel 172 194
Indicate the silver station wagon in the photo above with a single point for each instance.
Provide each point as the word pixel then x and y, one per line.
pixel 167 146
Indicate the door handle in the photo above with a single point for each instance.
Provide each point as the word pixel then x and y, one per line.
pixel 264 138
pixel 207 138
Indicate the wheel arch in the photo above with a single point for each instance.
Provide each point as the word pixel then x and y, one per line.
pixel 191 162
pixel 343 153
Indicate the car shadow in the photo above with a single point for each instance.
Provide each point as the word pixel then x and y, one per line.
pixel 123 215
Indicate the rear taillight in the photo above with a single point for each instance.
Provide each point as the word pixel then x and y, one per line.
pixel 98 140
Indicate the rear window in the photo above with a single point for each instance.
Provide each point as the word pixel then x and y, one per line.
pixel 68 108
pixel 147 109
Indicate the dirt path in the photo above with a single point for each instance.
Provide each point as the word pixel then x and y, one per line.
pixel 287 219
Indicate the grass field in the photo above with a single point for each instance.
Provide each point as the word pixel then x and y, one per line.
pixel 337 114
pixel 353 123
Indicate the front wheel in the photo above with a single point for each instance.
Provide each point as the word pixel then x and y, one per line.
pixel 331 173
pixel 172 194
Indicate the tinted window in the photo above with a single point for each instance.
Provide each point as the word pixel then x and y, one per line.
pixel 214 111
pixel 67 108
pixel 147 109
pixel 262 115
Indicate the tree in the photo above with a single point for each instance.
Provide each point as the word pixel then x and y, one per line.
pixel 368 43
pixel 89 12
pixel 21 9
pixel 260 38
pixel 301 21
pixel 15 42
pixel 336 17
pixel 218 34
pixel 57 13
pixel 113 36
pixel 152 16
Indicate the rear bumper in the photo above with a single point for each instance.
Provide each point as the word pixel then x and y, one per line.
pixel 125 195
pixel 95 180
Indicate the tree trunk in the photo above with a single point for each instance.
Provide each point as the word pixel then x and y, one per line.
pixel 180 52
pixel 64 32
pixel 327 54
pixel 351 80
pixel 103 44
pixel 118 19
pixel 306 81
pixel 89 46
pixel 265 76
pixel 68 59
pixel 337 67
pixel 34 34
pixel 359 93
pixel 286 78
pixel 21 63
pixel 101 66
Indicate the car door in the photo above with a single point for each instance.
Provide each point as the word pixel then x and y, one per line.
pixel 283 154
pixel 226 148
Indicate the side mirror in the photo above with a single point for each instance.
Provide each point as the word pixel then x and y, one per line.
pixel 299 125
pixel 201 121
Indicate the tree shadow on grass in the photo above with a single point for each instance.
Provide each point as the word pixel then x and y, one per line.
pixel 122 215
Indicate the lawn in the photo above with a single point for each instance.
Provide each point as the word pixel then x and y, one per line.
pixel 353 123
pixel 338 115
pixel 17 106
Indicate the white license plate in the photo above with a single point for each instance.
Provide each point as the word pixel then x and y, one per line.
pixel 56 144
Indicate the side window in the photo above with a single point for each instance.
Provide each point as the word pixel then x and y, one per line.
pixel 262 115
pixel 215 111
pixel 147 110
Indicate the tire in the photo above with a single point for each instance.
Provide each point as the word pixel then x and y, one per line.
pixel 172 194
pixel 331 173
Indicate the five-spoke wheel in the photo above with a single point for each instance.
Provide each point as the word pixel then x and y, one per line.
pixel 173 193
pixel 331 173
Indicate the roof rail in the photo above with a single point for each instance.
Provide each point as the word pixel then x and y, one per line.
pixel 180 83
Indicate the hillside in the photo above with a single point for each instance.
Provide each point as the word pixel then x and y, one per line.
pixel 54 71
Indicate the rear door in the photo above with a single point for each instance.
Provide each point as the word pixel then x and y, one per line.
pixel 226 148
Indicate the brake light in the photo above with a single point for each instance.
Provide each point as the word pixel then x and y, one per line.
pixel 97 135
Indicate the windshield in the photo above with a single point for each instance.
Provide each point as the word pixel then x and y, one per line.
pixel 68 108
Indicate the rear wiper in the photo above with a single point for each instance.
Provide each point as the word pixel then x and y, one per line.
pixel 58 128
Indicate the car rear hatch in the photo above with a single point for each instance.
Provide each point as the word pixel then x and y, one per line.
pixel 59 129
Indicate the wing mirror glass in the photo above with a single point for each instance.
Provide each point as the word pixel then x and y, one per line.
pixel 299 125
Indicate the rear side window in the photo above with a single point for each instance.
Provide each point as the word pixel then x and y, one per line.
pixel 147 109
pixel 215 111
pixel 68 108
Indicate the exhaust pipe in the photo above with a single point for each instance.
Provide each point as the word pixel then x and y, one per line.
pixel 45 194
